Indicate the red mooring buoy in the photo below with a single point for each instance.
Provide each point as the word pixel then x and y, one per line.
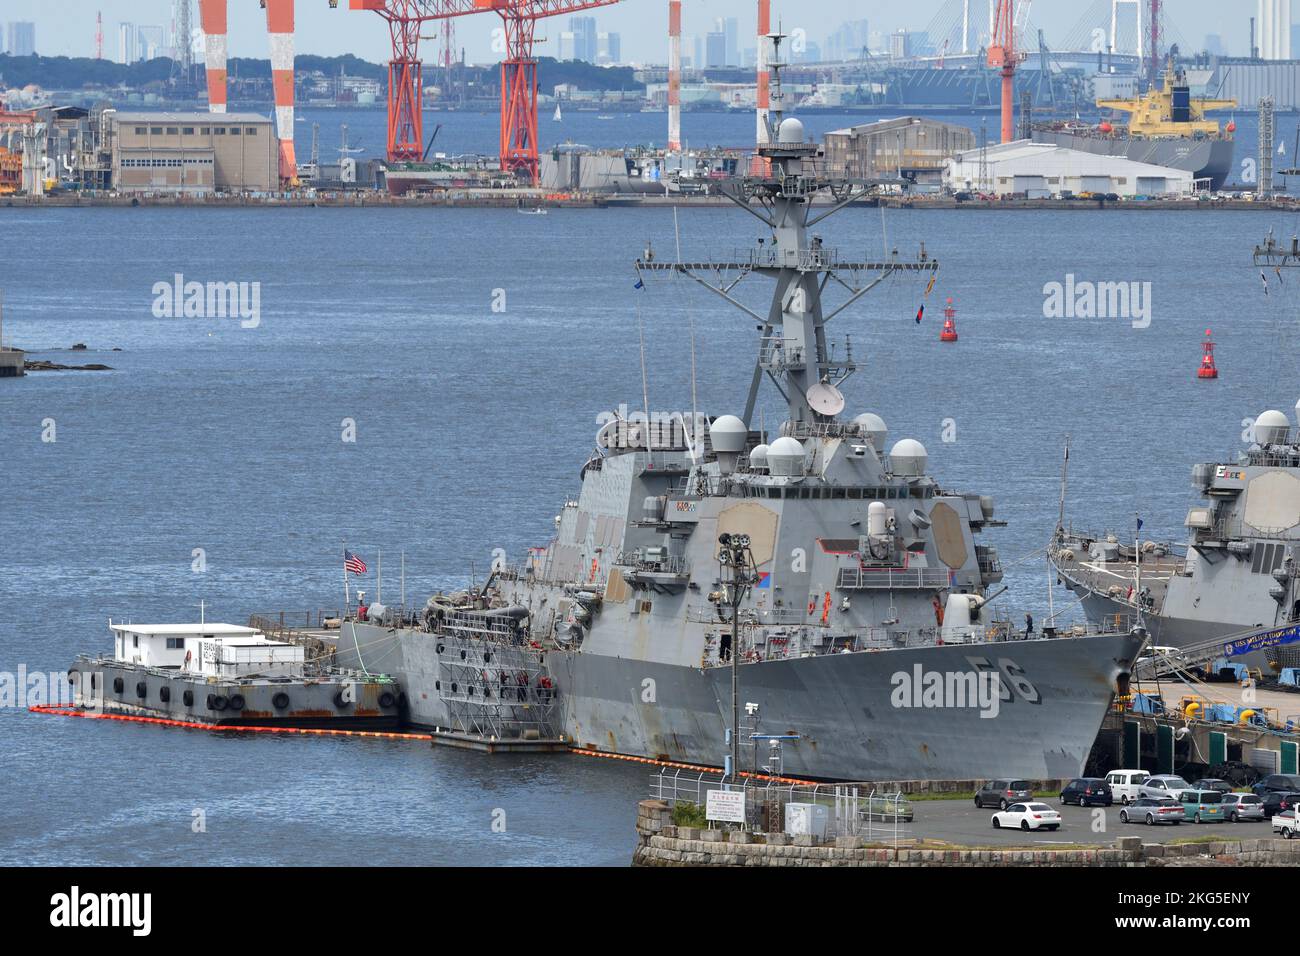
pixel 949 333
pixel 1207 369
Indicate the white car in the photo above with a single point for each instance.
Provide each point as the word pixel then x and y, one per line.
pixel 1126 785
pixel 1164 785
pixel 1286 823
pixel 1027 816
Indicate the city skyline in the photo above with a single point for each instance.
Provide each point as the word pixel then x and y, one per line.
pixel 641 24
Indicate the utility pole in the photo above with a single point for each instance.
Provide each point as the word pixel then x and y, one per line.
pixel 739 574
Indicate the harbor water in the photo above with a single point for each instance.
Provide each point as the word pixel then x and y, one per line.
pixel 470 353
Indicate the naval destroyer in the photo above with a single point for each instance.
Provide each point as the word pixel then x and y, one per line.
pixel 816 591
pixel 1237 570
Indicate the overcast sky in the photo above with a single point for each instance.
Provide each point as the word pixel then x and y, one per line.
pixel 67 27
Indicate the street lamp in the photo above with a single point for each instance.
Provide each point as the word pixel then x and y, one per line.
pixel 739 574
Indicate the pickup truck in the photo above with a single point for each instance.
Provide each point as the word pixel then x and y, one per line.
pixel 1285 824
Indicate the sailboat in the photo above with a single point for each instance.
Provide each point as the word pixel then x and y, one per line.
pixel 558 115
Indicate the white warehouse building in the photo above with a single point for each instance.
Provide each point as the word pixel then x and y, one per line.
pixel 1041 170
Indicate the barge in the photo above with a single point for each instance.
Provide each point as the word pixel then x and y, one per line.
pixel 229 675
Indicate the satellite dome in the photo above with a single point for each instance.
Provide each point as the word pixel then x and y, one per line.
pixel 873 427
pixel 728 435
pixel 758 457
pixel 908 458
pixel 1271 427
pixel 790 132
pixel 785 457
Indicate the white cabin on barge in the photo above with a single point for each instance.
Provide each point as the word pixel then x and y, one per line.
pixel 207 650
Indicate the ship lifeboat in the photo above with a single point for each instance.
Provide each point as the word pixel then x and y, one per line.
pixel 1106 127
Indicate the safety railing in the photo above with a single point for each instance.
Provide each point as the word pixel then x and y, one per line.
pixel 827 810
pixel 861 579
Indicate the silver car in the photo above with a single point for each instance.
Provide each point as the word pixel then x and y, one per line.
pixel 1242 806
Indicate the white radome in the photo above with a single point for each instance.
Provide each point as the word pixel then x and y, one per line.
pixel 791 131
pixel 1271 427
pixel 728 434
pixel 908 458
pixel 785 457
pixel 874 428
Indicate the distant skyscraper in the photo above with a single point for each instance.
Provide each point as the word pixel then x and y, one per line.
pixel 731 27
pixel 149 42
pixel 1273 29
pixel 1214 44
pixel 848 41
pixel 715 53
pixel 900 45
pixel 584 38
pixel 22 38
pixel 609 48
pixel 126 43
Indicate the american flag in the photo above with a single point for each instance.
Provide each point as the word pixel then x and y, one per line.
pixel 352 563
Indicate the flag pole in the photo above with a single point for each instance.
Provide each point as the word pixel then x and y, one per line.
pixel 347 591
pixel 379 579
pixel 403 580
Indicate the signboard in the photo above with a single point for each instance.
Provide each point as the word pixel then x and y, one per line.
pixel 728 806
pixel 1261 639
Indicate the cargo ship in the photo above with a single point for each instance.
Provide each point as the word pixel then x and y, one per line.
pixel 1167 127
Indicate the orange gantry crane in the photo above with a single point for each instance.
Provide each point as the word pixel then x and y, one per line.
pixel 1004 56
pixel 518 71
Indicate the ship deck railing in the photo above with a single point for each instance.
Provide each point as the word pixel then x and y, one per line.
pixel 869 578
pixel 798 635
pixel 867 810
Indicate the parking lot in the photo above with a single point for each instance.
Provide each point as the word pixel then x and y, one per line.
pixel 960 822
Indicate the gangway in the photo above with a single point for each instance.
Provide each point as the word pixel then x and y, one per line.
pixel 1177 662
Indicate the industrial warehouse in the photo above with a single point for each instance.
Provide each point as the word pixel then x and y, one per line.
pixel 193 153
pixel 1042 170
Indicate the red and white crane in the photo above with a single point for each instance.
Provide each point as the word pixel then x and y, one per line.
pixel 519 18
pixel 1003 56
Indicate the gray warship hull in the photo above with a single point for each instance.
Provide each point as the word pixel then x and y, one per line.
pixel 1204 158
pixel 841 706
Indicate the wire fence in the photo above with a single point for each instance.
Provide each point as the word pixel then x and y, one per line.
pixel 827 811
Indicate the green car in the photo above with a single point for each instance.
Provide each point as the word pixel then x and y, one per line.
pixel 1202 806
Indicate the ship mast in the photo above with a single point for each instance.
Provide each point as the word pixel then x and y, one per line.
pixel 793 350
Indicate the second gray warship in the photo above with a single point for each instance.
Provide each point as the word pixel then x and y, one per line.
pixel 1237 570
pixel 864 643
